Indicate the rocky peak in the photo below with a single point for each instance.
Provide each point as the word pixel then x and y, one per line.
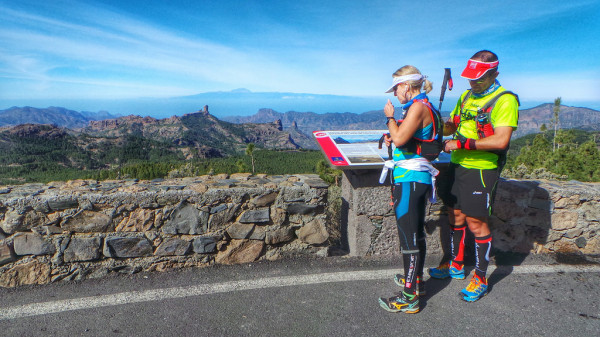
pixel 47 131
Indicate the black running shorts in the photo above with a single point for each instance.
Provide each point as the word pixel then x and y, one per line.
pixel 470 190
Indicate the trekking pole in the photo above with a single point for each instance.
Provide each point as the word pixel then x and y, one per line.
pixel 448 80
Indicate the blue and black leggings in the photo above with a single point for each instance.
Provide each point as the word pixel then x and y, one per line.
pixel 410 199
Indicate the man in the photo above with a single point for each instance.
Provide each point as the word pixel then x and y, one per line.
pixel 482 123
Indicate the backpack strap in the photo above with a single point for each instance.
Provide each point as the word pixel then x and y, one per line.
pixel 435 120
pixel 489 105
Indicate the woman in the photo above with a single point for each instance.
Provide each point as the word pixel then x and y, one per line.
pixel 412 178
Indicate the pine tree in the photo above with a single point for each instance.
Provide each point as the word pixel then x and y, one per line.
pixel 250 152
pixel 555 120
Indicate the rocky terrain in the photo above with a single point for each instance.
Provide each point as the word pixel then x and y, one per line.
pixel 52 115
pixel 195 135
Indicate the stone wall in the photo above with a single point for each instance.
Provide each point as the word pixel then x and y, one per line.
pixel 530 216
pixel 78 229
pixel 87 229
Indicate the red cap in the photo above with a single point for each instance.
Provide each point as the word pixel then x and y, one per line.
pixel 475 69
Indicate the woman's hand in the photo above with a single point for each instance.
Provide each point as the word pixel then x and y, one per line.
pixel 388 109
pixel 387 139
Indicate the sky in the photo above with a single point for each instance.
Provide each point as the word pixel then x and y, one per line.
pixel 84 53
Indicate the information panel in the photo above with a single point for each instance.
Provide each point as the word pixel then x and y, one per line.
pixel 356 149
pixel 353 148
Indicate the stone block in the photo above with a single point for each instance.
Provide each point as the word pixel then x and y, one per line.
pixel 303 209
pixel 591 211
pixel 140 220
pixel 264 200
pixel 13 222
pixel 198 187
pixel 26 274
pixel 316 183
pixel 240 231
pixel 6 255
pixel 186 219
pixel 87 222
pixel 255 216
pixel 566 247
pixel 581 242
pixel 280 235
pixel 126 247
pixel 240 176
pixel 223 217
pixel 82 249
pixel 259 233
pixel 590 246
pixel 32 244
pixel 278 216
pixel 240 251
pixel 293 193
pixel 204 245
pixel 61 203
pixel 314 232
pixel 573 233
pixel 173 246
pixel 564 220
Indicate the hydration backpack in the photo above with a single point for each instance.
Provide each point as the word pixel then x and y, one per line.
pixel 428 148
pixel 484 122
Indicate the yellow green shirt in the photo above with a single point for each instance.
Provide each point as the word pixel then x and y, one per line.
pixel 505 113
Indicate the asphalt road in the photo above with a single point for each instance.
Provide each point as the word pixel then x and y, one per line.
pixel 335 296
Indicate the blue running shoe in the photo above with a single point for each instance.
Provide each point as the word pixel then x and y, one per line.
pixel 400 281
pixel 476 289
pixel 446 270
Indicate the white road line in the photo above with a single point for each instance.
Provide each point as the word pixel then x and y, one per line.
pixel 44 308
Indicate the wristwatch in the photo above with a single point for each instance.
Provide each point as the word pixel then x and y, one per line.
pixel 389 119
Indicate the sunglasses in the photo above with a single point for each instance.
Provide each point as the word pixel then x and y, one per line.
pixel 484 78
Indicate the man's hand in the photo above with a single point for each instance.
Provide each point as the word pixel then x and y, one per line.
pixel 449 128
pixel 450 145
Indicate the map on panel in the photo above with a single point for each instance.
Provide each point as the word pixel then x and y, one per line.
pixel 356 149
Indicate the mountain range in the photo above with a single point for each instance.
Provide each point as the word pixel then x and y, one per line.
pixel 201 135
pixel 530 120
pixel 101 143
pixel 52 115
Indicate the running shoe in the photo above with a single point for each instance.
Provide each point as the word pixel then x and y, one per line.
pixel 448 269
pixel 476 289
pixel 400 281
pixel 403 302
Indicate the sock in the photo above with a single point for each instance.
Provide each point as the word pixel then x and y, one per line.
pixel 483 246
pixel 411 261
pixel 410 297
pixel 457 241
